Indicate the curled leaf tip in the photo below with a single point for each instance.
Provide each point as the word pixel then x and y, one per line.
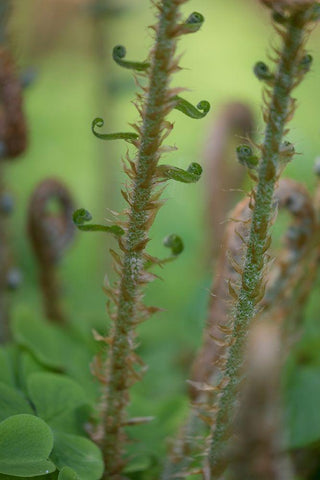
pixel 190 110
pixel 99 122
pixel 246 156
pixel 306 63
pixel 175 243
pixel 262 71
pixel 193 22
pixel 118 54
pixel 81 216
pixel 191 175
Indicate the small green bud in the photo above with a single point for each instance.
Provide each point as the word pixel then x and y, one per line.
pixel 262 72
pixel 195 169
pixel 175 243
pixel 246 157
pixel 81 216
pixel 194 22
pixel 306 62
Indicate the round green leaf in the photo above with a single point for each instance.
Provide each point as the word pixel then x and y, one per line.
pixel 78 453
pixel 25 445
pixel 49 476
pixel 57 349
pixel 302 406
pixel 54 395
pixel 12 402
pixel 68 474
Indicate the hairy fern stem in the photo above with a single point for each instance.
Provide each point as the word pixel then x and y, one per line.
pixel 277 113
pixel 122 362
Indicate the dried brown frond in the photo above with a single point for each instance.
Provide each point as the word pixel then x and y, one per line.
pixel 258 448
pixel 229 267
pixel 50 234
pixel 234 124
pixel 13 130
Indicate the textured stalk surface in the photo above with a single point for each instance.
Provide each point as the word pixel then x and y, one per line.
pixel 121 361
pixel 279 111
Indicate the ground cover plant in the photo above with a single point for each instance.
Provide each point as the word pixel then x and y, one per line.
pixel 65 392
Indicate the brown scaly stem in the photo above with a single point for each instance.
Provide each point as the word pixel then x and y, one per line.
pixel 121 357
pixel 13 140
pixel 279 111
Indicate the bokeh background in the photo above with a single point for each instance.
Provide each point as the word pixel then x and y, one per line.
pixel 69 49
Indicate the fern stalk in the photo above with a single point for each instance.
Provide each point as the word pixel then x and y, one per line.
pixel 144 204
pixel 277 113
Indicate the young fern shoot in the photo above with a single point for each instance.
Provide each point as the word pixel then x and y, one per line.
pixel 293 22
pixel 123 367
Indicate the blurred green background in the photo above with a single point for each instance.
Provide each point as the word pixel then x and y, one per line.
pixel 76 81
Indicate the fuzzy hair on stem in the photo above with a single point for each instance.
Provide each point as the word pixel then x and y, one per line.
pixel 123 367
pixel 278 111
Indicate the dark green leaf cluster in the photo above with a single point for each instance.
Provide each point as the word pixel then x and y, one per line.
pixel 43 413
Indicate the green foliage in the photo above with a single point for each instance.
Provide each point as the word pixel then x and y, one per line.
pixel 31 373
pixel 98 122
pixel 55 348
pixel 47 411
pixel 55 397
pixel 78 453
pixel 302 400
pixel 81 216
pixel 12 402
pixel 68 474
pixel 118 54
pixel 25 445
pixel 6 370
pixel 200 111
pixel 54 409
pixel 191 175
